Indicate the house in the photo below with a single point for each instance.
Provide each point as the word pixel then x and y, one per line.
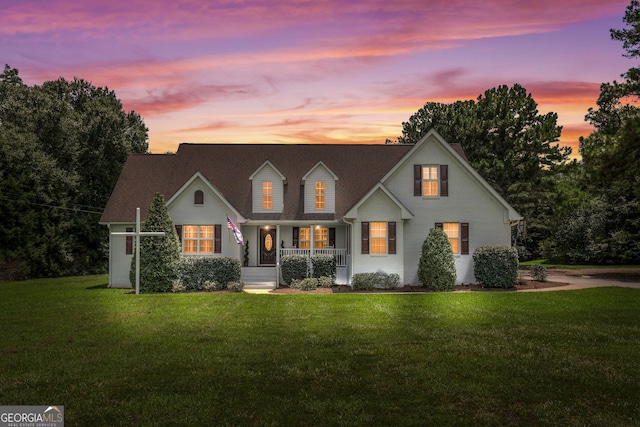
pixel 371 206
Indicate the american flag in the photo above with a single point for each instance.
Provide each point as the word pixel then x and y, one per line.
pixel 236 231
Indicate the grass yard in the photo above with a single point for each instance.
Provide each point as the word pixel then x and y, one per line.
pixel 564 358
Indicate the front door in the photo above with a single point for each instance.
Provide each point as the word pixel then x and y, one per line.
pixel 268 246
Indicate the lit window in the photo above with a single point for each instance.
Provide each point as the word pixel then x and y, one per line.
pixel 321 238
pixel 320 192
pixel 305 238
pixel 378 237
pixel 452 230
pixel 430 181
pixel 267 195
pixel 198 239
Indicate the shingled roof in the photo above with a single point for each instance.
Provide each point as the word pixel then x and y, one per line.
pixel 228 168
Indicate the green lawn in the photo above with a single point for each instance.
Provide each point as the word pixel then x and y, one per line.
pixel 564 358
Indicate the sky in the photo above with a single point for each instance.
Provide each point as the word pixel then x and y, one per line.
pixel 320 71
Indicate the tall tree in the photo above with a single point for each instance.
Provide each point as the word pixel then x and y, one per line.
pixel 508 142
pixel 159 256
pixel 611 159
pixel 62 147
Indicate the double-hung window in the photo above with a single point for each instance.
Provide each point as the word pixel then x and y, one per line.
pixel 378 238
pixel 431 180
pixel 320 195
pixel 267 195
pixel 198 239
pixel 458 235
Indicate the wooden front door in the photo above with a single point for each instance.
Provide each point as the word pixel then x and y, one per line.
pixel 268 246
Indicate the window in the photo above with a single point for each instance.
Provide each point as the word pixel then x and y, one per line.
pixel 320 238
pixel 320 193
pixel 452 230
pixel 458 234
pixel 431 180
pixel 198 197
pixel 267 195
pixel 378 238
pixel 201 239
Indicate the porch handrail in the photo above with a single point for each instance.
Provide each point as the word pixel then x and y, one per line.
pixel 340 254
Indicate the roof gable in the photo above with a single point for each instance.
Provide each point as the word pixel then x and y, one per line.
pixel 265 165
pixel 319 165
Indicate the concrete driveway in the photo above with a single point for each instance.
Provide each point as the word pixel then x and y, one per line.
pixel 591 278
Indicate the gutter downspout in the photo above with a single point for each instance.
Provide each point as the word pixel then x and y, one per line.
pixel 350 250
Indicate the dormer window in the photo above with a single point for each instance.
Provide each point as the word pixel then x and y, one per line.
pixel 267 195
pixel 198 197
pixel 319 190
pixel 320 194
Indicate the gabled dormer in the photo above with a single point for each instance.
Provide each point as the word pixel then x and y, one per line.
pixel 267 189
pixel 319 190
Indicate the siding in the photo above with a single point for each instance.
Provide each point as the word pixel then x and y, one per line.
pixel 320 173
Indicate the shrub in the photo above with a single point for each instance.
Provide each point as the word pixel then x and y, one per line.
pixel 371 281
pixel 306 284
pixel 325 282
pixel 177 286
pixel 208 273
pixel 294 267
pixel 323 265
pixel 236 286
pixel 496 266
pixel 539 272
pixel 437 265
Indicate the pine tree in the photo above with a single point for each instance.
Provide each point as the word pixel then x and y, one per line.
pixel 159 256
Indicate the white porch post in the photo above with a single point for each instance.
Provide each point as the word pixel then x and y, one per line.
pixel 312 238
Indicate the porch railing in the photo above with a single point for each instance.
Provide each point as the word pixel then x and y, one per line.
pixel 340 254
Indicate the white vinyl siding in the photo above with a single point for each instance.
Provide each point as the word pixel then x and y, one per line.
pixel 317 198
pixel 259 197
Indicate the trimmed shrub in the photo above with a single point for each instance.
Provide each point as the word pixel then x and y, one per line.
pixel 236 286
pixel 437 265
pixel 538 272
pixel 159 256
pixel 496 266
pixel 325 282
pixel 324 265
pixel 371 281
pixel 294 267
pixel 208 273
pixel 306 284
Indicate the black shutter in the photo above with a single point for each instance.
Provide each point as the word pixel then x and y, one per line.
pixel 464 231
pixel 179 232
pixel 296 237
pixel 439 225
pixel 217 239
pixel 332 237
pixel 365 237
pixel 392 237
pixel 129 245
pixel 417 180
pixel 444 180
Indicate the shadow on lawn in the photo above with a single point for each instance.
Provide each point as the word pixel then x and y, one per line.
pixel 103 286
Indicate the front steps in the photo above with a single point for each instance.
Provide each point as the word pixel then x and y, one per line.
pixel 259 277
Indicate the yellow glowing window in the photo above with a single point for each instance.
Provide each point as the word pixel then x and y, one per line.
pixel 320 192
pixel 452 230
pixel 305 238
pixel 267 195
pixel 378 237
pixel 429 180
pixel 320 238
pixel 198 239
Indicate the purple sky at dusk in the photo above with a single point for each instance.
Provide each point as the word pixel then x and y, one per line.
pixel 321 71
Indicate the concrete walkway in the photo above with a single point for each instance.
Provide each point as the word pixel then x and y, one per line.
pixel 578 280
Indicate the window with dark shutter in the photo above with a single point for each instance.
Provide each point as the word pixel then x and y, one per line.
pixel 417 180
pixel 129 244
pixel 296 237
pixel 217 239
pixel 392 237
pixel 444 180
pixel 365 237
pixel 464 231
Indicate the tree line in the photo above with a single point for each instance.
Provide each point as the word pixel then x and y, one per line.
pixel 62 147
pixel 576 212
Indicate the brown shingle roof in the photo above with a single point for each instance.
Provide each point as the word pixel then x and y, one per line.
pixel 229 166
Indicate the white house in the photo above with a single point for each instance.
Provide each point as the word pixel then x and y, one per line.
pixel 371 206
